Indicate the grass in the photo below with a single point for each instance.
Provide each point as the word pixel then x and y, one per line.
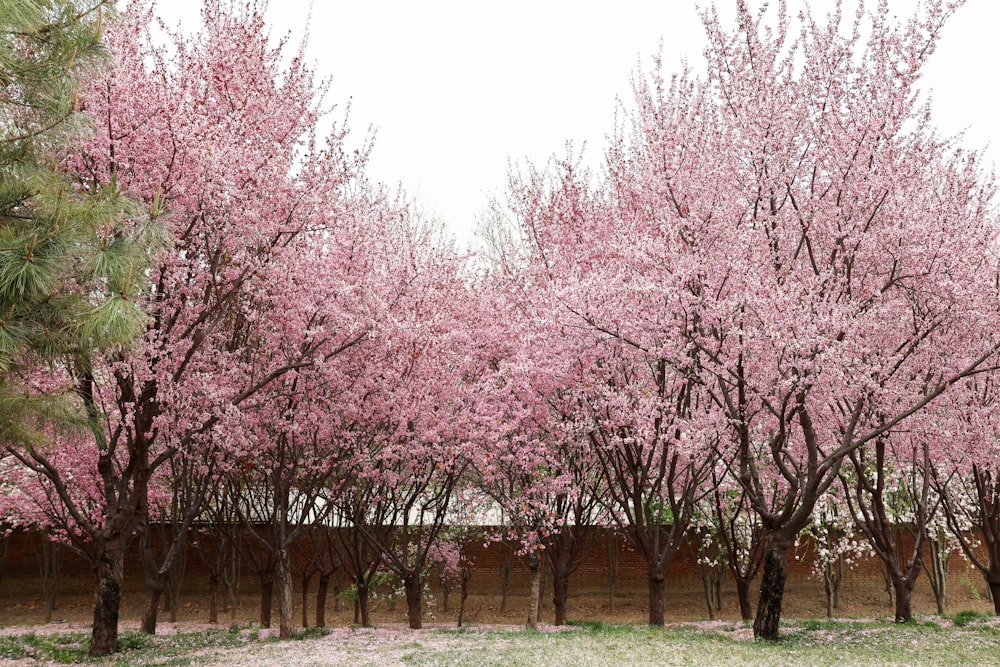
pixel 963 618
pixel 600 627
pixel 311 633
pixel 58 648
pixel 974 639
pixel 134 647
pixel 806 643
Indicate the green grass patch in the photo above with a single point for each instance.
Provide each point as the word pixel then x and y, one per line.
pixel 809 642
pixel 966 616
pixel 600 627
pixel 57 648
pixel 310 633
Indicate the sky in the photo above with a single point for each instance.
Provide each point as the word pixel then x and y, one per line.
pixel 459 91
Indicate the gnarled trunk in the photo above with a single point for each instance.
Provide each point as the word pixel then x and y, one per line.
pixel 104 635
pixel 772 590
pixel 903 588
pixel 154 591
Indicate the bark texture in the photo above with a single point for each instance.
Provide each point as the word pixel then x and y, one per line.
pixel 772 591
pixel 108 599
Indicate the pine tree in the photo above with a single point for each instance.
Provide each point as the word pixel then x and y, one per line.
pixel 71 255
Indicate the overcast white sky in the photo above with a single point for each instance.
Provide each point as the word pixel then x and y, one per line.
pixel 457 88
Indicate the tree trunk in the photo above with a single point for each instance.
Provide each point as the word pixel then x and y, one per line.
pixel 613 553
pixel 104 636
pixel 708 588
pixel 213 598
pixel 833 575
pixel 444 581
pixel 364 607
pixel 560 590
pixel 338 586
pixel 827 588
pixel 543 582
pixel 534 590
pixel 156 581
pixel 994 585
pixel 464 596
pixel 903 588
pixel 772 590
pixel 231 580
pixel 657 595
pixel 286 603
pixel 4 550
pixel 52 560
pixel 938 571
pixel 505 577
pixel 154 590
pixel 743 595
pixel 175 581
pixel 306 578
pixel 321 591
pixel 886 581
pixel 411 585
pixel 266 597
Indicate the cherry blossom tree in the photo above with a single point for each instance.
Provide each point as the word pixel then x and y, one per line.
pixel 825 251
pixel 784 259
pixel 966 475
pixel 542 481
pixel 404 436
pixel 835 543
pixel 534 460
pixel 633 393
pixel 580 514
pixel 736 531
pixel 217 137
pixel 887 490
pixel 282 496
pixel 178 496
pixel 72 254
pixel 216 541
pixel 453 560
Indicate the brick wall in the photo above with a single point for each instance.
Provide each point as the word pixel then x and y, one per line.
pixel 863 592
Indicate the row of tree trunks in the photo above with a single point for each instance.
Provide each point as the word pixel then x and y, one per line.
pixel 775 561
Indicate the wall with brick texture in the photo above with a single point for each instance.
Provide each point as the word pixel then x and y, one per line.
pixel 863 593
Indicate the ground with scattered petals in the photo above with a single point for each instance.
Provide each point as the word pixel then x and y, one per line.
pixel 970 640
